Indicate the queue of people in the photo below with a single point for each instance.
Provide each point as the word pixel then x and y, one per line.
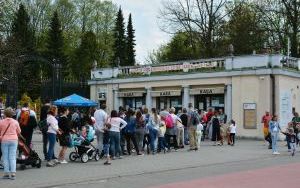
pixel 117 134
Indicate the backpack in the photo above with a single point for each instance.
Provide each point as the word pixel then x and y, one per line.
pixel 24 118
pixel 43 126
pixel 169 121
pixel 195 120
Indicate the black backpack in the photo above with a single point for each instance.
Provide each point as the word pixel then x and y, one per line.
pixel 43 126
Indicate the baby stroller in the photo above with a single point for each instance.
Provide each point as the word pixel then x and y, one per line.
pixel 28 156
pixel 83 147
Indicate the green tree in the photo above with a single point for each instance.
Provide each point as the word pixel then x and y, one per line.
pixel 179 48
pixel 120 41
pixel 55 42
pixel 85 56
pixel 23 40
pixel 244 30
pixel 130 60
pixel 22 32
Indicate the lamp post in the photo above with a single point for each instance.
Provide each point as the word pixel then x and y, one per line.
pixel 56 79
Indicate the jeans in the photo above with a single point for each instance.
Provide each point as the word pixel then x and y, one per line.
pixel 139 135
pixel 186 136
pixel 153 139
pixel 146 142
pixel 122 141
pixel 9 152
pixel 288 142
pixel 115 143
pixel 232 138
pixel 131 137
pixel 161 143
pixel 0 152
pixel 52 141
pixel 106 149
pixel 274 137
pixel 45 143
pixel 180 136
pixel 99 136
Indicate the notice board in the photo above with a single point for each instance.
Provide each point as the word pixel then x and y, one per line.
pixel 250 116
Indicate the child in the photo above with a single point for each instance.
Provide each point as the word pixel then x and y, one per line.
pixel 106 141
pixel 83 132
pixel 161 136
pixel 232 132
pixel 199 134
pixel 291 136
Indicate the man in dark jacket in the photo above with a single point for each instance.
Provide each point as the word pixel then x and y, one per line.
pixel 44 111
pixel 184 119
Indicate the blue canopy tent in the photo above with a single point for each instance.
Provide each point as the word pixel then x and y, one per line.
pixel 75 101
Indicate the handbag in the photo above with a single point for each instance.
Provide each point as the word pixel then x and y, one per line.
pixel 4 133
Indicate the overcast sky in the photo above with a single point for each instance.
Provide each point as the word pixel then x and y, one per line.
pixel 144 15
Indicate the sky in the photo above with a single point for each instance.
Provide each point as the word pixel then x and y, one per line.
pixel 145 22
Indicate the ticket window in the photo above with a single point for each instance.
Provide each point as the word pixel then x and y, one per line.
pixel 162 103
pixel 134 103
pixel 176 102
pixel 168 102
pixel 204 102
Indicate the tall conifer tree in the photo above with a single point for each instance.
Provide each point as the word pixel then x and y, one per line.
pixel 22 42
pixel 130 60
pixel 120 41
pixel 55 40
pixel 22 32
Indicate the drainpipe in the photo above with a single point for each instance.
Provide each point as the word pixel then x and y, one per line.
pixel 273 88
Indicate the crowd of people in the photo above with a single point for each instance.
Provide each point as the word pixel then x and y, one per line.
pixel 126 132
pixel 272 128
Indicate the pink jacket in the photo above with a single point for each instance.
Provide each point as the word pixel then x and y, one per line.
pixel 13 130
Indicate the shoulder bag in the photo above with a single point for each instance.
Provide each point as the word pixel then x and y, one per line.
pixel 4 133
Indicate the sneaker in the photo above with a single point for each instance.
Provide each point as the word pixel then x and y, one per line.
pixel 120 157
pixel 293 153
pixel 55 161
pixel 276 153
pixel 140 154
pixel 5 176
pixel 13 177
pixel 63 162
pixel 107 163
pixel 50 164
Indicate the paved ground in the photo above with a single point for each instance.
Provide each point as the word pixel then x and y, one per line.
pixel 213 166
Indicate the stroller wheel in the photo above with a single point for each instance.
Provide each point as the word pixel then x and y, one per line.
pixel 97 157
pixel 38 163
pixel 23 167
pixel 84 158
pixel 73 156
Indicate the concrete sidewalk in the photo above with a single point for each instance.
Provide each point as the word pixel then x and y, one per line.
pixel 207 157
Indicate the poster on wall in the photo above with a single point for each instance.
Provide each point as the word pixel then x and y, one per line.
pixel 250 115
pixel 174 103
pixel 201 106
pixel 139 104
pixel 215 103
pixel 285 111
